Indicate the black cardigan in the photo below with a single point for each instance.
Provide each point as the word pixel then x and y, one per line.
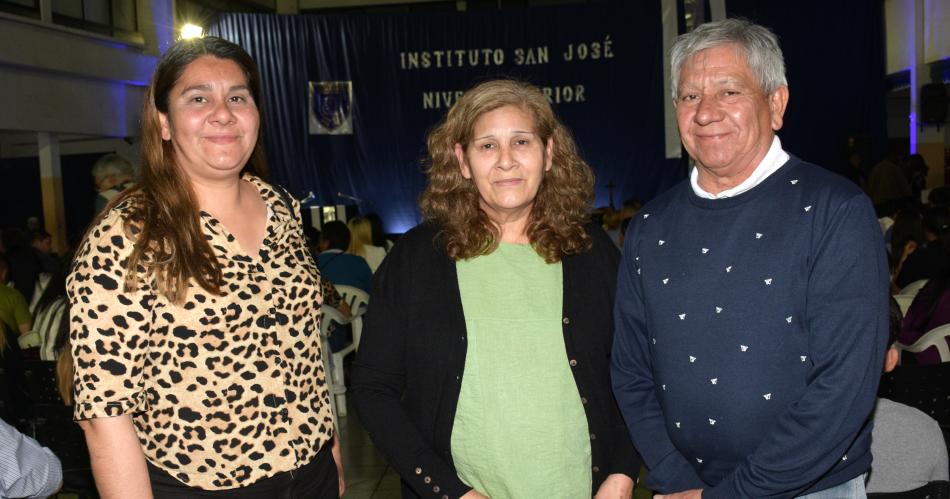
pixel 408 371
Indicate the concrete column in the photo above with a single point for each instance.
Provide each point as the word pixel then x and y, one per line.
pixel 717 9
pixel 671 136
pixel 51 183
pixel 156 20
pixel 46 10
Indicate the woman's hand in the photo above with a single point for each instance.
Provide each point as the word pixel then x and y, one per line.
pixel 474 494
pixel 338 459
pixel 616 486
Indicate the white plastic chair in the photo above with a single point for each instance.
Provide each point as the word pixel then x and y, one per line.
pixel 936 337
pixel 904 301
pixel 358 300
pixel 912 288
pixel 333 316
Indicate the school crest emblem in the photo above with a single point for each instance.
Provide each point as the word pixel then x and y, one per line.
pixel 331 106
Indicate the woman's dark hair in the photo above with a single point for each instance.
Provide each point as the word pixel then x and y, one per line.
pixel 376 223
pixel 907 227
pixel 936 220
pixel 164 220
pixel 336 234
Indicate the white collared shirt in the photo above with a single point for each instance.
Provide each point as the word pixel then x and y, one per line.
pixel 773 160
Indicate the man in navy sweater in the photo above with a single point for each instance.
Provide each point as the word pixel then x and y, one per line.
pixel 752 299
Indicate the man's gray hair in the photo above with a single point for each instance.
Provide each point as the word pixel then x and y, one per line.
pixel 112 164
pixel 760 45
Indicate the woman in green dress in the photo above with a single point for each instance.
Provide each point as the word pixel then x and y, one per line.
pixel 483 369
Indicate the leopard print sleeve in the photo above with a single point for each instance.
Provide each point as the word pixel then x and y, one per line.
pixel 108 326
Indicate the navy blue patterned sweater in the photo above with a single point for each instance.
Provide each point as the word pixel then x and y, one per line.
pixel 750 335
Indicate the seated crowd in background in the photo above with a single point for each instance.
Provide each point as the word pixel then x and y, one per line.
pixel 918 237
pixel 361 242
pixel 908 447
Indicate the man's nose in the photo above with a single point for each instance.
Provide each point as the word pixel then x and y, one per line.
pixel 707 111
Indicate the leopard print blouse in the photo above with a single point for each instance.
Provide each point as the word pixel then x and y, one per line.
pixel 223 390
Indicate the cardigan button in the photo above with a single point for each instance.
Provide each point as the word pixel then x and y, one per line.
pixel 445 496
pixel 418 471
pixel 596 469
pixel 427 480
pixel 593 436
pixel 573 362
pixel 566 320
pixel 436 489
pixel 584 400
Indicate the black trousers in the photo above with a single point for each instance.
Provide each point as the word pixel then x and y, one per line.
pixel 316 480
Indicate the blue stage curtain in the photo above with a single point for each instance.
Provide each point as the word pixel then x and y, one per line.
pixel 835 63
pixel 619 125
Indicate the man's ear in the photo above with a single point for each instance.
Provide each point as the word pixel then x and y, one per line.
pixel 463 164
pixel 778 101
pixel 891 359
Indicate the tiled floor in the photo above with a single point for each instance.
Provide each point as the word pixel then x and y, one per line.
pixel 366 472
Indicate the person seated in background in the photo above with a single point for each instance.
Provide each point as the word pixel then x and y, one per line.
pixel 907 445
pixel 50 309
pixel 15 320
pixel 887 181
pixel 630 208
pixel 27 469
pixel 24 266
pixel 927 259
pixel 50 264
pixel 42 242
pixel 112 174
pixel 379 235
pixel 611 224
pixel 623 231
pixel 853 170
pixel 887 216
pixel 361 242
pixel 341 268
pixel 336 264
pixel 330 295
pixel 915 170
pixel 929 310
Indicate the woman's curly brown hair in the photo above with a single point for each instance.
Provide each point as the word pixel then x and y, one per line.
pixel 451 202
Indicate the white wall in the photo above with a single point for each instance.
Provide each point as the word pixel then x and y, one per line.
pixel 66 81
pixel 936 32
pixel 900 32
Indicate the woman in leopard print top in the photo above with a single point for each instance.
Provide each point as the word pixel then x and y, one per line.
pixel 195 306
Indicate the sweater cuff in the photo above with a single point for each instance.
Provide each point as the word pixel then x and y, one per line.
pixel 433 478
pixel 721 491
pixel 625 460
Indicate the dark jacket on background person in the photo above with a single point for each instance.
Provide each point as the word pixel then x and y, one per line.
pixel 408 372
